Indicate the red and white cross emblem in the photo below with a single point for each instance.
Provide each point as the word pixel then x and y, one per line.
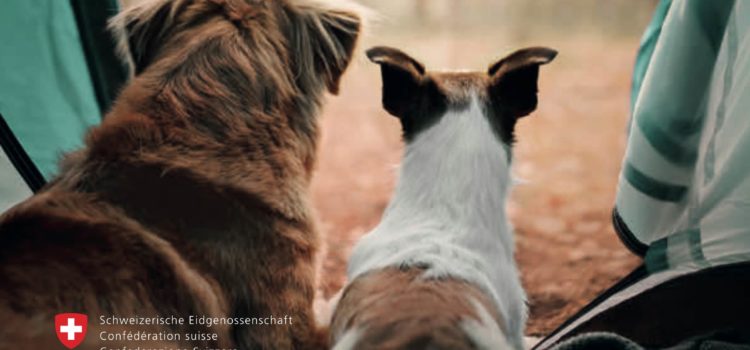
pixel 71 328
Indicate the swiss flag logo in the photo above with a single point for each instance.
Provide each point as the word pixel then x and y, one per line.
pixel 71 328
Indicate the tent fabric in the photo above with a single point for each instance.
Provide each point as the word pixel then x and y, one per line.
pixel 58 75
pixel 46 90
pixel 643 59
pixel 14 164
pixel 646 49
pixel 625 292
pixel 12 185
pixel 598 341
pixel 107 71
pixel 684 190
pixel 668 307
pixel 18 159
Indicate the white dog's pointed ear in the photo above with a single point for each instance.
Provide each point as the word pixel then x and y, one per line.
pixel 402 76
pixel 513 80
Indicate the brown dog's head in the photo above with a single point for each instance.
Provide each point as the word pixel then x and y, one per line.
pixel 247 70
pixel 282 41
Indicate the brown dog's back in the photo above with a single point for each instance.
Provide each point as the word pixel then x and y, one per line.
pixel 65 252
pixel 191 198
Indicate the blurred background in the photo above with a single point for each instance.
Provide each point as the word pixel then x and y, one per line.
pixel 568 152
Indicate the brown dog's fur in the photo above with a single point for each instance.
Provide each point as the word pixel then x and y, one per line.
pixel 191 197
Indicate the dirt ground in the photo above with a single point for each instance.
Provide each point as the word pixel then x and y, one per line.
pixel 568 152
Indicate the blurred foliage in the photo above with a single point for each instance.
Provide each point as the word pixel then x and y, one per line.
pixel 517 19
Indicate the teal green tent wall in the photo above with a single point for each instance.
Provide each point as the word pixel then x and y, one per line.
pixel 57 73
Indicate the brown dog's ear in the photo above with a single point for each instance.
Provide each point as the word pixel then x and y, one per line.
pixel 140 30
pixel 323 40
pixel 513 80
pixel 403 78
pixel 344 29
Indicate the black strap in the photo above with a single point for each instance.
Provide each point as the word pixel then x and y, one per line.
pixel 19 158
pixel 108 73
pixel 626 236
pixel 632 278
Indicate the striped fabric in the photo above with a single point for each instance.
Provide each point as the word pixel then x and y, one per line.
pixel 683 198
pixel 684 189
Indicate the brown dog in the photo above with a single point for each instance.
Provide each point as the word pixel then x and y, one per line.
pixel 191 198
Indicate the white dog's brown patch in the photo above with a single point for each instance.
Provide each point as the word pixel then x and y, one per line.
pixel 400 309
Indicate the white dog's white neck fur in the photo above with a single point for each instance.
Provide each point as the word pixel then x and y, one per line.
pixel 448 213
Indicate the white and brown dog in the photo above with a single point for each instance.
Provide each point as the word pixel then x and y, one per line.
pixel 191 198
pixel 438 272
